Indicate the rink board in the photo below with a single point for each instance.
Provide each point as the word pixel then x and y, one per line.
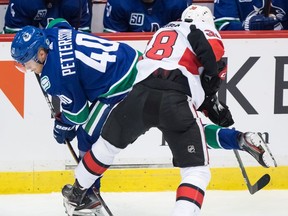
pixel 257 95
pixel 140 179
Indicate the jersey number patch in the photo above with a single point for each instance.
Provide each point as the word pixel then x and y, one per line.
pixel 163 45
pixel 96 60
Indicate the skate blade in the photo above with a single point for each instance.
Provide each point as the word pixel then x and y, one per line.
pixel 89 212
pixel 69 209
pixel 268 157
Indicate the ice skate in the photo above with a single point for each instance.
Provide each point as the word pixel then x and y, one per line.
pixel 78 203
pixel 254 144
pixel 90 206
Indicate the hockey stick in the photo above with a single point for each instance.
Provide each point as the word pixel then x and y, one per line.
pixel 261 183
pixel 97 194
pixel 76 158
pixel 52 110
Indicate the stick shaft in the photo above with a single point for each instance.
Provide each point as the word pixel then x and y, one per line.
pixel 243 171
pixel 261 183
pixel 76 158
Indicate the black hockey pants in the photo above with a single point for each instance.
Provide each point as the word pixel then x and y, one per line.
pixel 170 111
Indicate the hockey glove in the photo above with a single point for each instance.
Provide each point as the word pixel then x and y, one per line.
pixel 211 85
pixel 260 22
pixel 217 111
pixel 63 131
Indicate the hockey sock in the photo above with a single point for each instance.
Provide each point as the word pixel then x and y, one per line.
pixel 95 162
pixel 191 191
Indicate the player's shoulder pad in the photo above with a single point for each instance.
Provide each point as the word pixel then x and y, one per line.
pixel 59 23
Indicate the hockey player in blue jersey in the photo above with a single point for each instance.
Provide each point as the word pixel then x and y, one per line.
pixel 20 13
pixel 141 15
pixel 81 68
pixel 250 15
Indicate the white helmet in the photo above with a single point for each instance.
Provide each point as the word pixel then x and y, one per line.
pixel 198 13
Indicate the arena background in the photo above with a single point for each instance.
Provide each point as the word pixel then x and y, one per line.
pixel 257 93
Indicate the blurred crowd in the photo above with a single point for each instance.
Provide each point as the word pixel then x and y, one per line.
pixel 144 15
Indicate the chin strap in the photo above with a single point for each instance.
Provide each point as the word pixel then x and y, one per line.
pixel 38 61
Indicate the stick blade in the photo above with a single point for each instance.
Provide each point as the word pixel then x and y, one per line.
pixel 261 183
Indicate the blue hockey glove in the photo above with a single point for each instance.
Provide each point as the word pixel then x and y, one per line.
pixel 260 22
pixel 63 131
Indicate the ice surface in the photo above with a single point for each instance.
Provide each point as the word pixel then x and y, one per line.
pixel 222 203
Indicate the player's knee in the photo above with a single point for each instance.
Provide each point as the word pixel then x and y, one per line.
pixel 118 142
pixel 119 128
pixel 104 151
pixel 115 133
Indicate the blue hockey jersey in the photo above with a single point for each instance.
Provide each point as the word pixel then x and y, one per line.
pixel 137 16
pixel 82 68
pixel 230 14
pixel 20 13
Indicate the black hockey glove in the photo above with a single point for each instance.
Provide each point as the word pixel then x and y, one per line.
pixel 217 111
pixel 63 131
pixel 211 84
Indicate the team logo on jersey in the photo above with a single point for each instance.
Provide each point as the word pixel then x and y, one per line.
pixel 64 99
pixel 26 36
pixel 222 75
pixel 191 149
pixel 40 14
pixel 136 19
pixel 45 83
pixel 154 26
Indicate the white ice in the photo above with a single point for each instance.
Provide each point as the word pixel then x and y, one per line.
pixel 216 203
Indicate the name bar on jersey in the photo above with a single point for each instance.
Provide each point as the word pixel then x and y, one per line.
pixel 66 54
